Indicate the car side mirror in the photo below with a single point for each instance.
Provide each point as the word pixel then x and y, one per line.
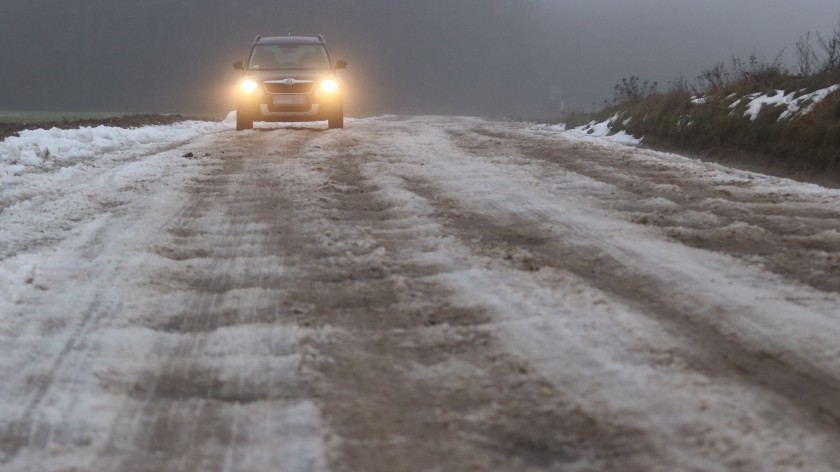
pixel 341 64
pixel 238 65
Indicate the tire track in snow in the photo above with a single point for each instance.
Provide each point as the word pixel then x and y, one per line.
pixel 194 413
pixel 417 383
pixel 27 430
pixel 498 206
pixel 794 234
pixel 809 387
pixel 381 299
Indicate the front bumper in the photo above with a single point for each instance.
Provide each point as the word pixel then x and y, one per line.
pixel 314 105
pixel 265 111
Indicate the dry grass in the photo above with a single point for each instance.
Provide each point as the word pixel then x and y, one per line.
pixel 810 142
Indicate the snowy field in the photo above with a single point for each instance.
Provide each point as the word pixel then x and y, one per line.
pixel 425 293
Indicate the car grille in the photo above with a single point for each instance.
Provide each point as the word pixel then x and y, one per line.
pixel 305 87
pixel 291 108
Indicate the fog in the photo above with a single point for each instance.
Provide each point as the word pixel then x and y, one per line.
pixel 485 57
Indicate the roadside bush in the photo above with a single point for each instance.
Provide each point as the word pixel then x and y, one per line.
pixel 759 73
pixel 631 90
pixel 713 79
pixel 703 119
pixel 831 48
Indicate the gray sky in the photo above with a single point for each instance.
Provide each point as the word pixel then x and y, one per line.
pixel 406 56
pixel 662 39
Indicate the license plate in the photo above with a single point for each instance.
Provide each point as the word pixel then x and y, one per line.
pixel 291 99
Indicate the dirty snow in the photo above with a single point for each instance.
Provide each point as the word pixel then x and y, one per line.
pixel 81 216
pixel 601 131
pixel 46 150
pixel 80 211
pixel 589 342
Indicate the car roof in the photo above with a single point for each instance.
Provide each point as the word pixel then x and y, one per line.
pixel 288 40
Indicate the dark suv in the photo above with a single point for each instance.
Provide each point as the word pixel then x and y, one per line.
pixel 289 78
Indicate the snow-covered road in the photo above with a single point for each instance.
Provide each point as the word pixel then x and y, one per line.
pixel 410 294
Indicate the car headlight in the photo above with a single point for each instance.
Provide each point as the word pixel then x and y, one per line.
pixel 329 85
pixel 248 86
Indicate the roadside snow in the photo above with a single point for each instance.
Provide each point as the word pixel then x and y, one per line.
pixel 58 185
pixel 799 106
pixel 795 106
pixel 758 101
pixel 51 177
pixel 81 304
pixel 804 104
pixel 45 150
pixel 602 131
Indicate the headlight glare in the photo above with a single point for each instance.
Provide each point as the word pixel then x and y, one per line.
pixel 329 85
pixel 248 86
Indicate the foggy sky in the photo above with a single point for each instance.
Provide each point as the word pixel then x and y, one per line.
pixel 495 57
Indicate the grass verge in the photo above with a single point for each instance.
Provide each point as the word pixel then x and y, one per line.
pixel 756 111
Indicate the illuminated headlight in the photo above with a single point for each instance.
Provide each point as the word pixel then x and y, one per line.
pixel 248 86
pixel 329 85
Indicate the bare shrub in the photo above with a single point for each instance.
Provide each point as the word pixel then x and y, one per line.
pixel 713 78
pixel 806 58
pixel 759 71
pixel 831 47
pixel 632 90
pixel 681 86
pixel 671 118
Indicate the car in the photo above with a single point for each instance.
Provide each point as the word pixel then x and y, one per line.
pixel 287 79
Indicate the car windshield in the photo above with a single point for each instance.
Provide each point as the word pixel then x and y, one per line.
pixel 289 56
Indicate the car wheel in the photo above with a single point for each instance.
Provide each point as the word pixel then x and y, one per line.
pixel 337 120
pixel 243 121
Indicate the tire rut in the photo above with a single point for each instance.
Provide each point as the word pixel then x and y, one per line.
pixel 782 236
pixel 413 382
pixel 188 412
pixel 708 350
pixel 30 431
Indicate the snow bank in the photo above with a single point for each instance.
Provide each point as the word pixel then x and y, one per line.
pixel 798 106
pixel 758 101
pixel 50 149
pixel 804 104
pixel 602 131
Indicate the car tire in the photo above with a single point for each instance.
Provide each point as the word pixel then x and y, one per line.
pixel 337 120
pixel 243 121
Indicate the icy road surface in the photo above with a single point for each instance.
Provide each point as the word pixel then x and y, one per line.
pixel 413 294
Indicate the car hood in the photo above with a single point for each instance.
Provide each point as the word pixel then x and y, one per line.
pixel 308 74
